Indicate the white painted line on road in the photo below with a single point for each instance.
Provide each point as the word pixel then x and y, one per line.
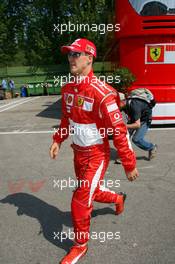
pixel 17 132
pixel 146 167
pixel 20 103
pixel 33 132
pixel 13 102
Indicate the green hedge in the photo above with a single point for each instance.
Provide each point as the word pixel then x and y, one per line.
pixel 24 75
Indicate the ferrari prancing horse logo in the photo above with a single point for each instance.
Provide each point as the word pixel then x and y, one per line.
pixel 155 53
pixel 80 101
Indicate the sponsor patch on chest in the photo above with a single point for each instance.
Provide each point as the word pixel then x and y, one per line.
pixel 85 103
pixel 69 99
pixel 80 101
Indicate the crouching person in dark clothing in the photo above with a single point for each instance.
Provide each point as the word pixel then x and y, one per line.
pixel 139 120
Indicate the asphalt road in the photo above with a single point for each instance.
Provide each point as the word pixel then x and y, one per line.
pixel 35 208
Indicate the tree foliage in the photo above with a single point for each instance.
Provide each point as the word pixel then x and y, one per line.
pixel 27 35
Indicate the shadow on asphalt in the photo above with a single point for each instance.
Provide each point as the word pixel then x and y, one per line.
pixel 52 110
pixel 142 158
pixel 50 218
pixel 114 156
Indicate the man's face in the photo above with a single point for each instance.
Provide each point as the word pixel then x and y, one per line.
pixel 79 62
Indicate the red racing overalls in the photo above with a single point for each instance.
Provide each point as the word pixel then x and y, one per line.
pixel 89 109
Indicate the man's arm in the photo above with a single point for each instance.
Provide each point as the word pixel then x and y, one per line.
pixel 134 125
pixel 113 119
pixel 61 134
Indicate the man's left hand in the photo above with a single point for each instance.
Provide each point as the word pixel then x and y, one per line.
pixel 132 175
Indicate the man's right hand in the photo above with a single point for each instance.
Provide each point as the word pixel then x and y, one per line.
pixel 132 175
pixel 54 150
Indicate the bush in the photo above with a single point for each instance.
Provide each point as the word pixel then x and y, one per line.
pixel 126 79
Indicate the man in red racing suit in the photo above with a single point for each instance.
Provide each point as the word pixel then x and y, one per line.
pixel 90 113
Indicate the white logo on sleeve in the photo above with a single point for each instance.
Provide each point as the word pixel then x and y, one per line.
pixel 116 116
pixel 112 107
